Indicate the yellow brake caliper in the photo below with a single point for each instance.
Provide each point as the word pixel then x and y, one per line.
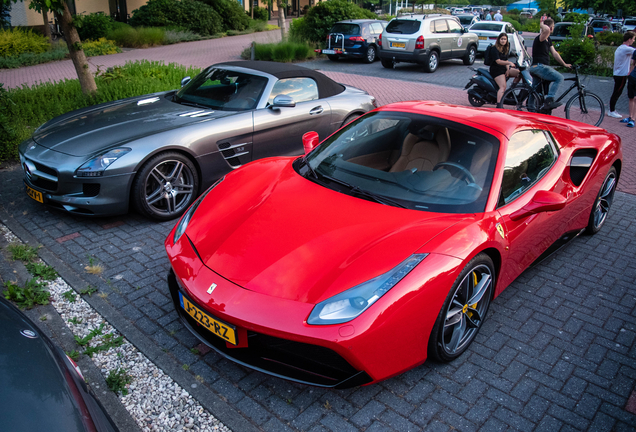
pixel 465 308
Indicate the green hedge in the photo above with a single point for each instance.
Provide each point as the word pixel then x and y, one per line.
pixel 190 14
pixel 93 26
pixel 16 41
pixel 24 109
pixel 232 14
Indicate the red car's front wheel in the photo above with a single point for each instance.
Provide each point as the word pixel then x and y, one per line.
pixel 464 310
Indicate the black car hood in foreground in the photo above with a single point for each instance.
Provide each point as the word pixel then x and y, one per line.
pixel 88 130
pixel 34 393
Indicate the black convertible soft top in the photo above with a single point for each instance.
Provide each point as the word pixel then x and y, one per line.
pixel 326 86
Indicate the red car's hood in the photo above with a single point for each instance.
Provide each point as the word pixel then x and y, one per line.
pixel 270 230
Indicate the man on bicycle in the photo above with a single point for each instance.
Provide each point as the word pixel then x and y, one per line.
pixel 541 50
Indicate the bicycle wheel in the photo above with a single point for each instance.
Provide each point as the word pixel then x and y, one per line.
pixel 520 98
pixel 585 108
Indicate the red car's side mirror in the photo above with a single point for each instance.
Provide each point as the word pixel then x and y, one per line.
pixel 310 141
pixel 542 201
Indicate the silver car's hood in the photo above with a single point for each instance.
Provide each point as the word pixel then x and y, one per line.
pixel 89 130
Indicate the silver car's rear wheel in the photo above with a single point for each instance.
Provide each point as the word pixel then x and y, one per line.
pixel 432 62
pixel 165 186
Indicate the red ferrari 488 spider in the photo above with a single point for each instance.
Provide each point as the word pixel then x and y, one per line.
pixel 384 245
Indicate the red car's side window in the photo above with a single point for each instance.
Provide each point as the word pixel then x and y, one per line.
pixel 530 155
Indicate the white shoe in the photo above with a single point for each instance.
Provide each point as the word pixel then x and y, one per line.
pixel 614 114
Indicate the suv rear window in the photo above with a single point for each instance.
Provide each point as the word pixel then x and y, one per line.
pixel 561 30
pixel 348 29
pixel 600 24
pixel 486 26
pixel 403 26
pixel 629 22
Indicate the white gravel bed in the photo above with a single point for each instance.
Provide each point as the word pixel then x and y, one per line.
pixel 154 400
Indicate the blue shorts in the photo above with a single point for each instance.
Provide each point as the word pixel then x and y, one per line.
pixel 631 87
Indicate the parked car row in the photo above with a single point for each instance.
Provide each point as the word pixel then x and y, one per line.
pixel 307 260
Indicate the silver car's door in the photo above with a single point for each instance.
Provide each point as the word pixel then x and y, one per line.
pixel 443 37
pixel 279 131
pixel 458 43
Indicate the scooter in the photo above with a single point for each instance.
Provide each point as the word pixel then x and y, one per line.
pixel 484 88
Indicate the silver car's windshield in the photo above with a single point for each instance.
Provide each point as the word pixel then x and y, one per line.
pixel 223 89
pixel 408 160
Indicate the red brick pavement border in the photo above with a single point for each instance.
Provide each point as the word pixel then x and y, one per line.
pixel 388 90
pixel 68 237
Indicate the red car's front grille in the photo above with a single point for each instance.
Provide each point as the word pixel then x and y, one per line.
pixel 296 361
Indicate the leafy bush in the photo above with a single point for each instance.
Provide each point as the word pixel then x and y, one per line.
pixel 190 14
pixel 16 41
pixel 285 51
pixel 516 24
pixel 609 38
pixel 176 36
pixel 231 12
pixel 58 52
pixel 93 26
pixel 315 26
pixel 102 46
pixel 32 106
pixel 261 14
pixel 137 37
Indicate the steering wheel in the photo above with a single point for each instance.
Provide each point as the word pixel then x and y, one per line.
pixel 466 174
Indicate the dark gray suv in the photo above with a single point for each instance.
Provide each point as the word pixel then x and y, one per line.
pixel 425 40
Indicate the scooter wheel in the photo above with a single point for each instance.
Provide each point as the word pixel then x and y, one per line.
pixel 475 101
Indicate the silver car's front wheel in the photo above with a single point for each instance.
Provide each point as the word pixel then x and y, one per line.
pixel 165 186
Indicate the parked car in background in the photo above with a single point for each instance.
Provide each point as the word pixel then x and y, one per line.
pixel 41 388
pixel 525 15
pixel 601 25
pixel 468 19
pixel 562 31
pixel 426 40
pixel 156 153
pixel 354 39
pixel 458 11
pixel 488 31
pixel 386 243
pixel 629 24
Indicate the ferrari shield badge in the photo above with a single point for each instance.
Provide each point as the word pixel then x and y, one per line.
pixel 500 230
pixel 211 289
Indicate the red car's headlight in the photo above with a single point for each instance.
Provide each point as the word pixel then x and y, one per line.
pixel 351 303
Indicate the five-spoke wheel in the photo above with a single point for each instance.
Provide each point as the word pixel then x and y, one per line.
pixel 603 202
pixel 464 310
pixel 165 186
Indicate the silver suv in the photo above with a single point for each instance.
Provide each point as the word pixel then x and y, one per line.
pixel 425 40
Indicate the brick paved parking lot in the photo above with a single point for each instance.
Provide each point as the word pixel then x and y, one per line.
pixel 556 353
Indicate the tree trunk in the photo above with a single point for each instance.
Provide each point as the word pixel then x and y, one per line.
pixel 281 18
pixel 86 79
pixel 252 8
pixel 47 29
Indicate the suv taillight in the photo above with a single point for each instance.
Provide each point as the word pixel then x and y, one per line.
pixel 356 39
pixel 380 40
pixel 328 37
pixel 419 43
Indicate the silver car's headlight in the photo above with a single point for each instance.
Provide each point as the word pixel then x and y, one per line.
pixel 351 303
pixel 185 219
pixel 96 166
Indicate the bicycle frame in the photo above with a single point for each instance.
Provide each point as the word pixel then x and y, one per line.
pixel 540 89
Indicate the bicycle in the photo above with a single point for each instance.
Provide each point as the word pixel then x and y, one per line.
pixel 584 106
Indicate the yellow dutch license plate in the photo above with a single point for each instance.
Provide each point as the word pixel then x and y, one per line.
pixel 482 38
pixel 34 194
pixel 398 45
pixel 224 331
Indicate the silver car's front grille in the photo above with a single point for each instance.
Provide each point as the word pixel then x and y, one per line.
pixel 40 175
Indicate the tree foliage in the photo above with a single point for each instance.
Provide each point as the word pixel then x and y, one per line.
pixel 610 7
pixel 316 24
pixel 231 12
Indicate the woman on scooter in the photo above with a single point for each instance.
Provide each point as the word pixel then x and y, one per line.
pixel 501 68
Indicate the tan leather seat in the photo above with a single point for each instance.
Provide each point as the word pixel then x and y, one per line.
pixel 423 149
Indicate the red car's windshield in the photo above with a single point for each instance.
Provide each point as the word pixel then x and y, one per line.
pixel 415 161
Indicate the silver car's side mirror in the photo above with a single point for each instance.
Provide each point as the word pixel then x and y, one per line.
pixel 283 101
pixel 185 81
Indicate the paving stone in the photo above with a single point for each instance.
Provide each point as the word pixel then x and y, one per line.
pixel 368 414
